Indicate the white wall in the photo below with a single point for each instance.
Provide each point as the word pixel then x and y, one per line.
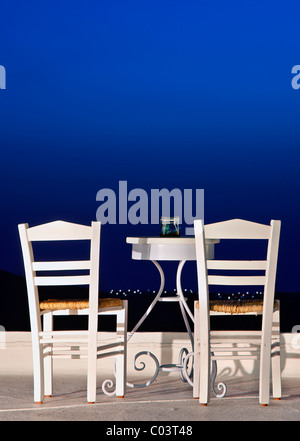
pixel 16 357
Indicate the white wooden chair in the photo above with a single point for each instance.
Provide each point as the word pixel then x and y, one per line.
pixel 207 347
pixel 48 343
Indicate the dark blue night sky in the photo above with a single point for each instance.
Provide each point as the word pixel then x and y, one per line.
pixel 162 94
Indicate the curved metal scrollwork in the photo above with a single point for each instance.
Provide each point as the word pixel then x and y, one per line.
pixel 181 358
pixel 188 376
pixel 109 384
pixel 220 386
pixel 142 367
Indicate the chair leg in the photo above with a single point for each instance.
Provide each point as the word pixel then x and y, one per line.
pixel 205 355
pixel 196 377
pixel 276 370
pixel 38 370
pixel 204 373
pixel 48 361
pixel 264 378
pixel 265 364
pixel 121 359
pixel 92 368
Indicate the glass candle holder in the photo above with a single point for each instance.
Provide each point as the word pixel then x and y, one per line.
pixel 169 226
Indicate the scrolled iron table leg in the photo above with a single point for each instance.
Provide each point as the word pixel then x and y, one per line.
pixel 184 307
pixel 157 297
pixel 130 334
pixel 157 370
pixel 220 386
pixel 109 383
pixel 184 374
pixel 184 355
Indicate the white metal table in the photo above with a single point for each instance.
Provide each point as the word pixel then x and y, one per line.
pixel 179 249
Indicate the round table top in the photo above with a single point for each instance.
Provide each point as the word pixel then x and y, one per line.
pixel 167 248
pixel 181 240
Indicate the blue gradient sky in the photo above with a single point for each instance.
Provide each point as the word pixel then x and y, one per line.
pixel 163 94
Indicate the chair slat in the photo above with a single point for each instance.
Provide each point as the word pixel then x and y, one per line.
pixel 62 265
pixel 236 280
pixel 59 230
pixel 237 264
pixel 62 281
pixel 237 229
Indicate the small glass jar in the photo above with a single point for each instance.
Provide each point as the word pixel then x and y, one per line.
pixel 169 226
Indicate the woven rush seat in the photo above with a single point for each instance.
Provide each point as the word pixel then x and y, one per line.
pixel 237 306
pixel 55 305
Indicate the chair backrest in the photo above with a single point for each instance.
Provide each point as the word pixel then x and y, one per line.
pixel 238 229
pixel 60 231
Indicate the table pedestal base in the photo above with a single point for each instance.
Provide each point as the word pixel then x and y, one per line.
pixel 184 308
pixel 184 367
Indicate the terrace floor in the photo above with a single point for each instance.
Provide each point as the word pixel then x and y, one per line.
pixel 167 399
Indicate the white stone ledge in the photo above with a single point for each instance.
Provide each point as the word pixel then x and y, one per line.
pixel 16 356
